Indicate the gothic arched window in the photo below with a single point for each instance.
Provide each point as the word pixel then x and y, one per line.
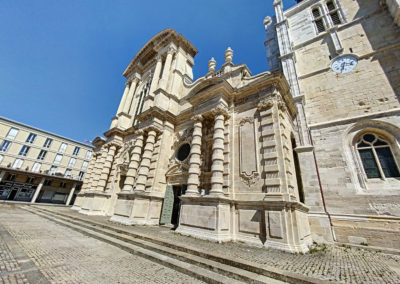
pixel 376 157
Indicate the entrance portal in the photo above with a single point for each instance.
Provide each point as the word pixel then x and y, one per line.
pixel 172 204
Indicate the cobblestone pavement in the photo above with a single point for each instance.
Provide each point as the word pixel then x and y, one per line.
pixel 35 250
pixel 341 264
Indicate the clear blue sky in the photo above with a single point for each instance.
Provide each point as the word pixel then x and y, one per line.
pixel 61 62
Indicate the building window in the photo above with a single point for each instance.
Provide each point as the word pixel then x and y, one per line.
pixel 318 20
pixel 5 145
pixel 47 143
pixel 377 157
pixel 11 177
pixel 18 163
pixel 31 138
pixel 84 165
pixel 71 162
pixel 76 151
pixel 63 184
pixel 68 173
pixel 81 174
pixel 42 155
pixel 58 159
pixel 52 170
pixel 36 167
pixel 30 180
pixel 24 150
pixel 63 147
pixel 88 155
pixel 333 13
pixel 47 182
pixel 12 133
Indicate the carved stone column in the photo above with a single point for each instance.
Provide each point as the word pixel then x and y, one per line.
pixel 123 100
pixel 89 174
pixel 217 167
pixel 130 95
pixel 156 76
pixel 134 163
pixel 107 167
pixel 194 160
pixel 97 169
pixel 146 160
pixel 167 67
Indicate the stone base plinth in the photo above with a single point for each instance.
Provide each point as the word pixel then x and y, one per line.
pixel 274 224
pixel 95 203
pixel 137 209
pixel 78 202
pixel 206 218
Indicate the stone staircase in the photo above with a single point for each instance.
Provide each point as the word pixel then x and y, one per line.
pixel 203 265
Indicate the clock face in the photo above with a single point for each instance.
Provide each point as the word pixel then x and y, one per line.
pixel 344 64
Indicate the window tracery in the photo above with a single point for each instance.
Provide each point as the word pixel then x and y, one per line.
pixel 376 157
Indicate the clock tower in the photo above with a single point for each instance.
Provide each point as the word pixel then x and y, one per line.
pixel 341 59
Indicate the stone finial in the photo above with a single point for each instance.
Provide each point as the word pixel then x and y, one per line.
pixel 228 55
pixel 267 22
pixel 211 65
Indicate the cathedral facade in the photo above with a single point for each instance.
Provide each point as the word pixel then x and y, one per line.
pixel 306 151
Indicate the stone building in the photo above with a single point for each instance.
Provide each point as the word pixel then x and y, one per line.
pixel 342 61
pixel 212 157
pixel 39 166
pixel 307 151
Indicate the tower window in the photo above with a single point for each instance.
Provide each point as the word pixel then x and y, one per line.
pixel 376 157
pixel 319 22
pixel 333 13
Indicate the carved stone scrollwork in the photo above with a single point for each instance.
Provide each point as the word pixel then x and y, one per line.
pixel 246 120
pixel 249 171
pixel 265 104
pixel 268 102
pixel 251 179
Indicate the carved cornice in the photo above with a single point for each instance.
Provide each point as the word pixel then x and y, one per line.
pixel 270 101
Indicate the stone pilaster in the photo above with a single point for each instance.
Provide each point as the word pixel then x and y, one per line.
pixel 130 95
pixel 167 67
pixel 106 167
pixel 194 160
pixel 217 168
pixel 134 163
pixel 156 76
pixel 146 160
pixel 123 100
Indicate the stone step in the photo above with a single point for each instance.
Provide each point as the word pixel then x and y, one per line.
pixel 181 266
pixel 255 268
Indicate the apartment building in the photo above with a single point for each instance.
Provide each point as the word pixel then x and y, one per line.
pixel 39 166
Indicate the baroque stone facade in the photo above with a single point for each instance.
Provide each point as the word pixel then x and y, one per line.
pixel 212 157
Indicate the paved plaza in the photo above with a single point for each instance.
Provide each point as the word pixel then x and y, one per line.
pixel 56 254
pixel 36 250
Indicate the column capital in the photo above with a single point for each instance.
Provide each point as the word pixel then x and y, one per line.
pixel 171 50
pixel 220 110
pixel 197 118
pixel 152 129
pixel 158 58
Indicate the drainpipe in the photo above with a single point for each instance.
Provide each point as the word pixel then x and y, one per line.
pixel 320 188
